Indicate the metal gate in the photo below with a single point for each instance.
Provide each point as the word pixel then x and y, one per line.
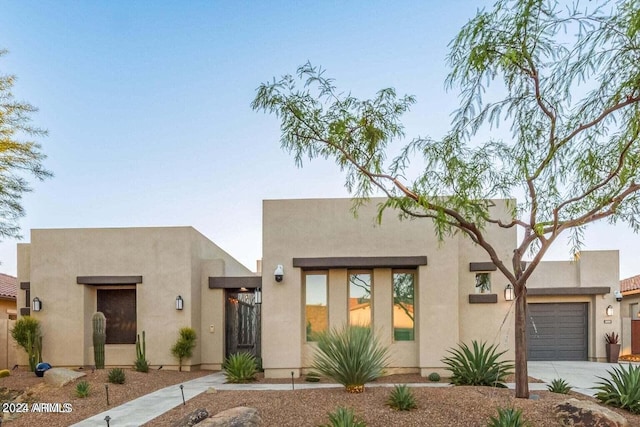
pixel 242 323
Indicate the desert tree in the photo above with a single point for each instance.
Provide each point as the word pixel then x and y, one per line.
pixel 565 81
pixel 20 155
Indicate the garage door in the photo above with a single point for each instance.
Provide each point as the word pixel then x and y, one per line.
pixel 557 331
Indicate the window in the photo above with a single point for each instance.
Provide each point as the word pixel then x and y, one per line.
pixel 403 308
pixel 483 283
pixel 360 298
pixel 119 307
pixel 316 313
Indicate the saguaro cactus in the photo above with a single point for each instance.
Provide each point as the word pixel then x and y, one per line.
pixel 141 364
pixel 99 338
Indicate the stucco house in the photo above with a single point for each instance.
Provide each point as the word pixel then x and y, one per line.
pixel 630 289
pixel 8 290
pixel 321 268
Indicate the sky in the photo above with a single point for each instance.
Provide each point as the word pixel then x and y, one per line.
pixel 147 105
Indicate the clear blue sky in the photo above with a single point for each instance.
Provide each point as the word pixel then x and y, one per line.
pixel 147 105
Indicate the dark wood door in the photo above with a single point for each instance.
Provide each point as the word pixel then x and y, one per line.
pixel 635 336
pixel 242 323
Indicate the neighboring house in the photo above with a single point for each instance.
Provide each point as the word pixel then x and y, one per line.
pixel 630 288
pixel 421 296
pixel 8 290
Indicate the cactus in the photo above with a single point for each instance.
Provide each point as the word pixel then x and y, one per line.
pixel 141 364
pixel 99 338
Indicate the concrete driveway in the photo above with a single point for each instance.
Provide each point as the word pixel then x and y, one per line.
pixel 581 376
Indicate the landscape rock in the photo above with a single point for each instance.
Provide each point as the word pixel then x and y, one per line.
pixel 582 413
pixel 58 377
pixel 241 416
pixel 192 419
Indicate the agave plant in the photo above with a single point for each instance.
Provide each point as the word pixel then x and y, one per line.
pixel 401 398
pixel 351 356
pixel 479 366
pixel 344 417
pixel 559 385
pixel 508 418
pixel 240 368
pixel 622 390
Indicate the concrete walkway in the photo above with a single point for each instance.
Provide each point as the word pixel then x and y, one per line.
pixel 581 376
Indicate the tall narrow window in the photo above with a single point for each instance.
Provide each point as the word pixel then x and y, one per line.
pixel 316 313
pixel 403 306
pixel 483 283
pixel 360 299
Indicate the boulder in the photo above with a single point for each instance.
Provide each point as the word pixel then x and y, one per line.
pixel 582 413
pixel 241 416
pixel 58 377
pixel 191 419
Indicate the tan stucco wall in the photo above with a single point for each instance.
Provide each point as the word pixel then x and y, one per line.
pixel 326 228
pixel 170 261
pixel 7 308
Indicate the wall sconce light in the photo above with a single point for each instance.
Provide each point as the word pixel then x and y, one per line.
pixel 610 310
pixel 179 303
pixel 279 273
pixel 257 296
pixel 509 293
pixel 37 304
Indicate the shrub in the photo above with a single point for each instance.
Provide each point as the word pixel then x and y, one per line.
pixel 4 373
pixel 351 356
pixel 82 389
pixel 559 385
pixel 434 376
pixel 141 364
pixel 401 398
pixel 344 417
pixel 240 368
pixel 479 366
pixel 312 377
pixel 26 333
pixel 116 376
pixel 183 348
pixel 622 390
pixel 508 418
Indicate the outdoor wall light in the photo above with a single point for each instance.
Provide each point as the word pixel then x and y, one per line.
pixel 37 304
pixel 509 294
pixel 610 310
pixel 258 296
pixel 179 303
pixel 279 273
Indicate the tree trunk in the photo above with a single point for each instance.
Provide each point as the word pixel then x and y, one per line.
pixel 522 373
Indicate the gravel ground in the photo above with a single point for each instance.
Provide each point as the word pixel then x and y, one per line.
pixel 451 406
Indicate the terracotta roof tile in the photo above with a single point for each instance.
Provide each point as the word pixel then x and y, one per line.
pixel 630 284
pixel 8 286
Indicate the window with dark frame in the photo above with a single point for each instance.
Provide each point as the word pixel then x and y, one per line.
pixel 403 305
pixel 316 309
pixel 119 308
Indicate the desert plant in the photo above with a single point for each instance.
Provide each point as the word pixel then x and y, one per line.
pixel 351 356
pixel 434 376
pixel 622 389
pixel 99 338
pixel 559 385
pixel 344 417
pixel 612 338
pixel 4 373
pixel 183 348
pixel 401 398
pixel 141 364
pixel 312 377
pixel 26 333
pixel 116 376
pixel 240 368
pixel 479 366
pixel 82 389
pixel 509 417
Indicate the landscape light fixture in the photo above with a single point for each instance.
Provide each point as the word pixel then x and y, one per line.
pixel 37 304
pixel 509 293
pixel 179 303
pixel 257 296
